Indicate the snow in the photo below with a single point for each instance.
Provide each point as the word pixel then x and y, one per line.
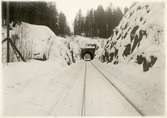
pixel 40 88
pixel 39 42
pixel 78 42
pixel 140 32
pixel 102 99
pixel 46 88
pixel 145 90
pixel 36 41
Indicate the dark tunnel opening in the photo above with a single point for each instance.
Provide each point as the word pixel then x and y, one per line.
pixel 87 54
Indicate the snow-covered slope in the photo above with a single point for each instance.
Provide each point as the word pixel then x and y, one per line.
pixel 36 41
pixel 139 37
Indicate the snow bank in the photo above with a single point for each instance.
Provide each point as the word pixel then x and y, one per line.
pixel 36 41
pixel 139 37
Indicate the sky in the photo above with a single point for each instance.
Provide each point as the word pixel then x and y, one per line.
pixel 71 7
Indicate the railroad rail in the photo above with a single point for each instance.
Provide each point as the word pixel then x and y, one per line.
pixel 84 91
pixel 83 109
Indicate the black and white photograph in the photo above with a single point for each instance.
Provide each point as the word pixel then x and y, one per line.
pixel 81 58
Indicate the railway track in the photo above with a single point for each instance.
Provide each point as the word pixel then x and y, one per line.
pixel 107 79
pixel 84 91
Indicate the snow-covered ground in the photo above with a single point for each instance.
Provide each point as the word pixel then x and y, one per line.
pixel 45 89
pixel 41 89
pixel 146 90
pixel 102 99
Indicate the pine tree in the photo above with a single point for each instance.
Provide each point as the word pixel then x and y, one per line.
pixel 63 27
pixel 100 21
pixel 79 23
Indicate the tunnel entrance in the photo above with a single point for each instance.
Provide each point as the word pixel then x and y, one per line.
pixel 88 53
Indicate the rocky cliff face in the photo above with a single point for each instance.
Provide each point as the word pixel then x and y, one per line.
pixel 139 37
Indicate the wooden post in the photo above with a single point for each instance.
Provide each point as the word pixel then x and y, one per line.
pixel 8 32
pixel 14 48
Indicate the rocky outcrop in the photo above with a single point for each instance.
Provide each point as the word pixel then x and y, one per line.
pixel 139 37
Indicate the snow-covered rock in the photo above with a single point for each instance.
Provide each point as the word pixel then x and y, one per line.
pixel 36 41
pixel 139 37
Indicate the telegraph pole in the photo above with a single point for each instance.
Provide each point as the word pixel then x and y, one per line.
pixel 8 32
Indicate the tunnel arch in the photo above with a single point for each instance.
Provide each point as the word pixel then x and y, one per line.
pixel 90 51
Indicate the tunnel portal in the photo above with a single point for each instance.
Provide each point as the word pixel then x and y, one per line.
pixel 88 51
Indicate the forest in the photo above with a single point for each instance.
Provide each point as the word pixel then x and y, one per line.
pixel 39 13
pixel 98 22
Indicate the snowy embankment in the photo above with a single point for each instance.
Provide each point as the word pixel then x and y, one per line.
pixel 139 37
pixel 36 42
pixel 39 42
pixel 137 45
pixel 78 42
